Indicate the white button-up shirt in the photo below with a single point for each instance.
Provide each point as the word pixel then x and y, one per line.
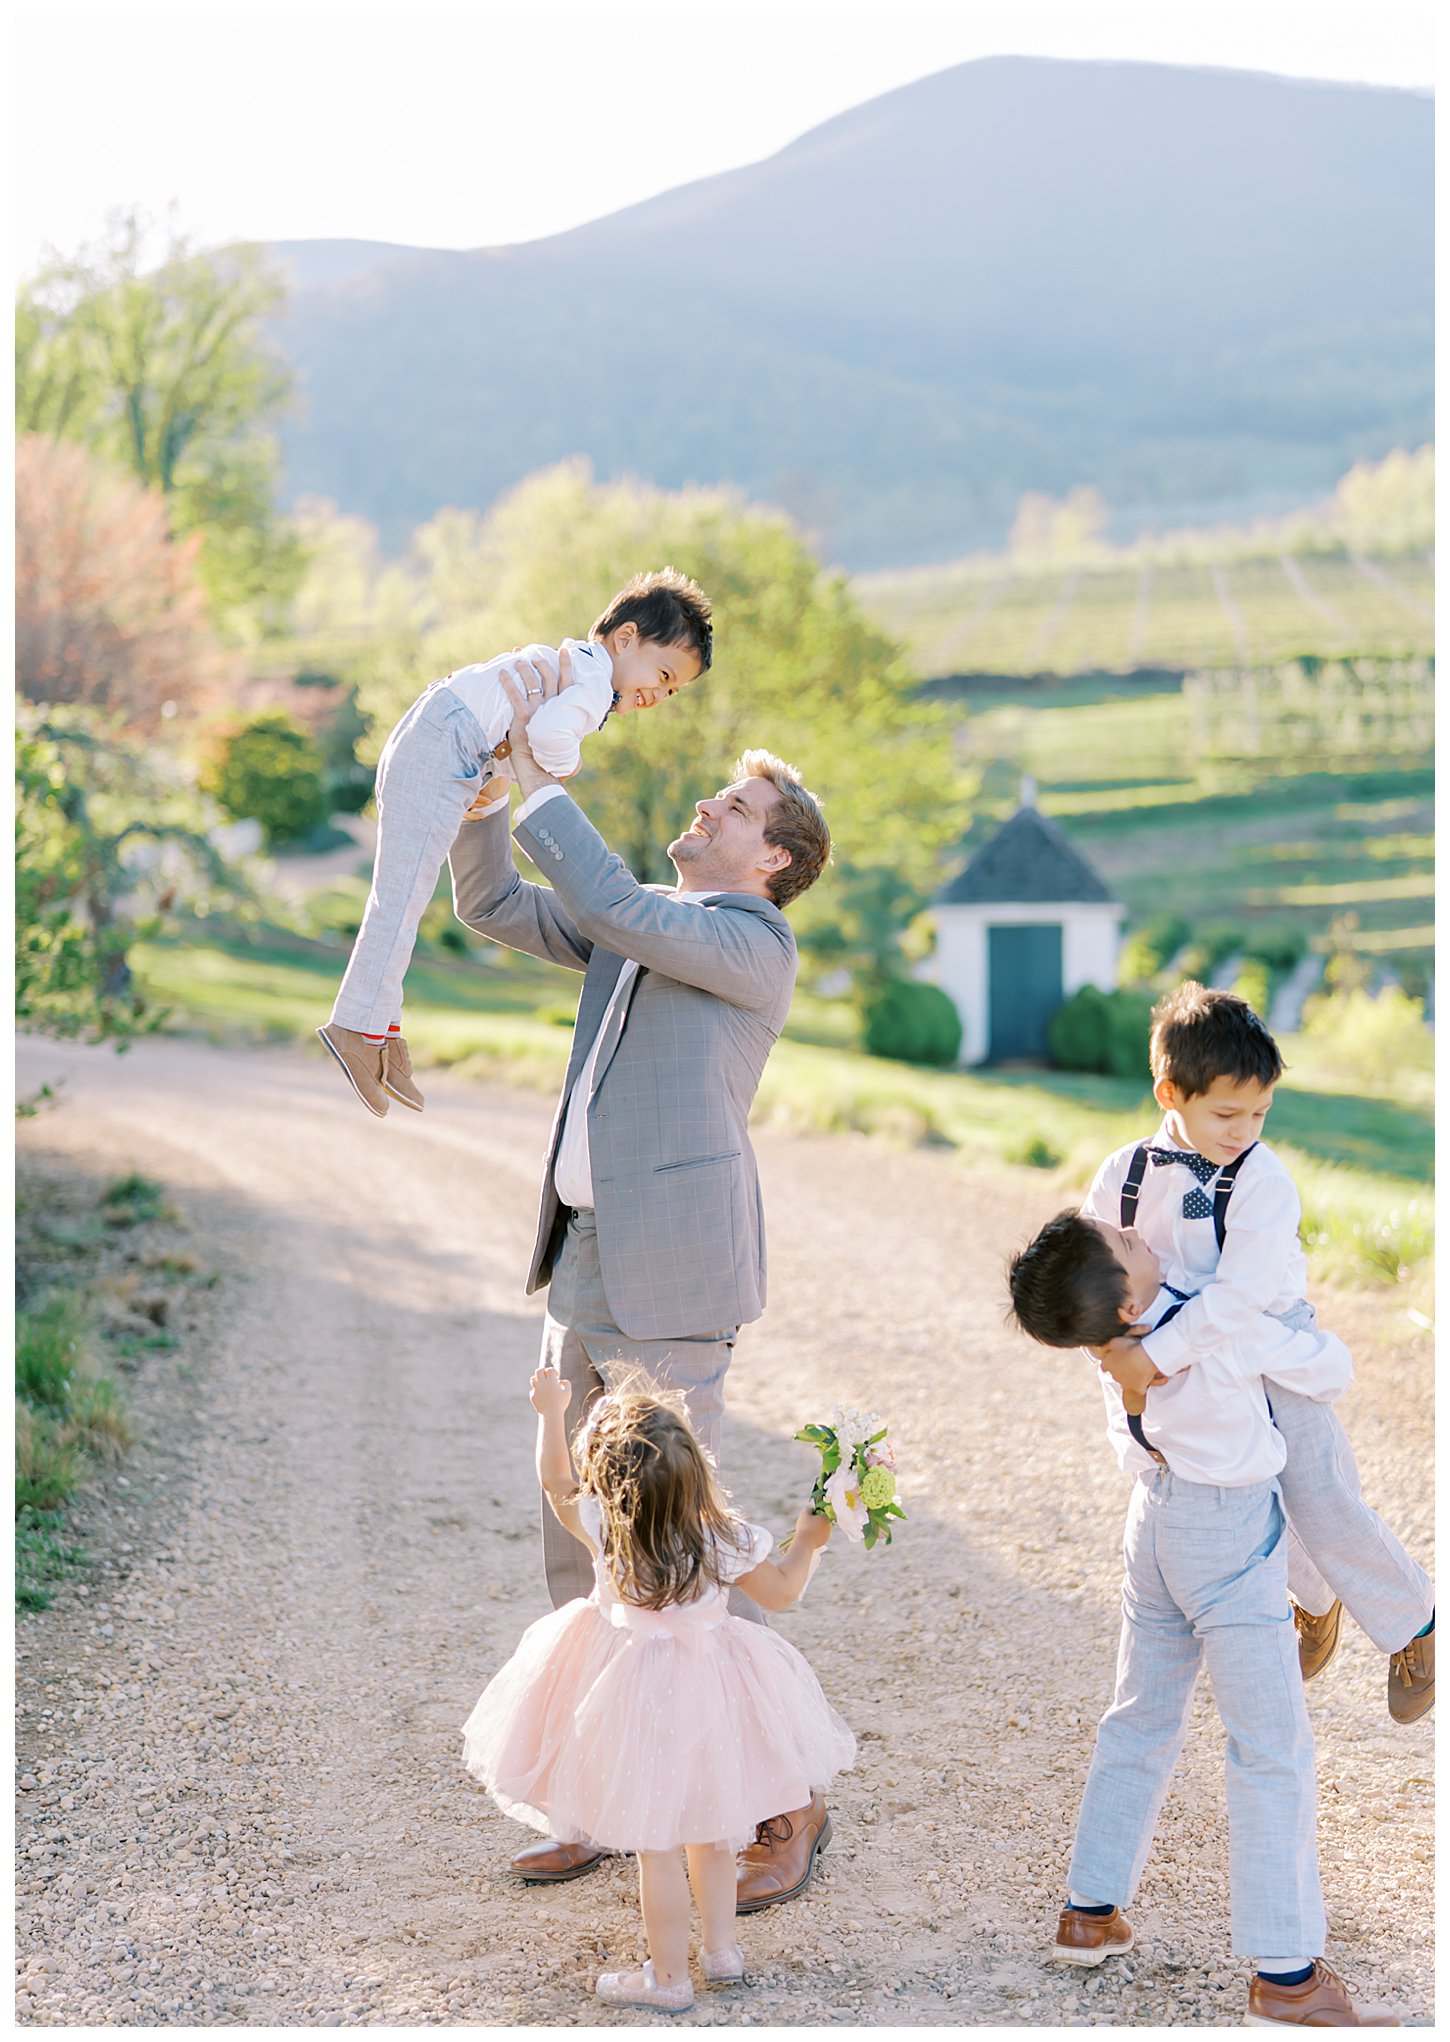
pixel 558 725
pixel 1212 1421
pixel 1262 1267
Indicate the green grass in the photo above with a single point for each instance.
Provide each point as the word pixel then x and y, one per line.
pixel 984 616
pixel 1366 1163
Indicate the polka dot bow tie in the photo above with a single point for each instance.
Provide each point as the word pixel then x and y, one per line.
pixel 1195 1205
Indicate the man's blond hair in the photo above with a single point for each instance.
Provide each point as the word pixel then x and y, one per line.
pixel 795 824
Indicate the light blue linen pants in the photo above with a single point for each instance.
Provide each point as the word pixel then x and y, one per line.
pixel 1338 1546
pixel 1205 1585
pixel 431 768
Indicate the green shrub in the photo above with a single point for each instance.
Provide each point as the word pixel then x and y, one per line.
pixel 1035 1153
pixel 1102 1032
pixel 1278 949
pixel 270 769
pixel 1252 985
pixel 1371 1038
pixel 46 1469
pixel 1149 949
pixel 913 1022
pixel 1077 1035
pixel 1130 1016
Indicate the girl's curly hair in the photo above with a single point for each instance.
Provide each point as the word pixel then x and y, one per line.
pixel 667 1521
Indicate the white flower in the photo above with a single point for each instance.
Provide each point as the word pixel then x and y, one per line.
pixel 843 1493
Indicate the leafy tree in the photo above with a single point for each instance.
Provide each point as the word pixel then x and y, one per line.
pixel 108 609
pixel 108 844
pixel 164 370
pixel 270 769
pixel 798 670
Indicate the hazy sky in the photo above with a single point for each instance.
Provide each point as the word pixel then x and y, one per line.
pixel 484 126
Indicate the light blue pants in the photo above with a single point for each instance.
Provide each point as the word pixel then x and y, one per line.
pixel 431 768
pixel 1205 1585
pixel 1338 1546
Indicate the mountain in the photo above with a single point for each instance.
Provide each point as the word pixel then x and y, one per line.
pixel 1205 292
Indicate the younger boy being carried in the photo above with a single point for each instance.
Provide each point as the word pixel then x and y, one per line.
pixel 1206 1193
pixel 1205 1582
pixel 653 638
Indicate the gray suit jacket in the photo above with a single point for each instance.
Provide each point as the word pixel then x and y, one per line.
pixel 676 1191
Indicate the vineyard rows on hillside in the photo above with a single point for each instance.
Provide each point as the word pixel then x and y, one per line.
pixel 989 616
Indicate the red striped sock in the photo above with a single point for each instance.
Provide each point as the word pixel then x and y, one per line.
pixel 395 1029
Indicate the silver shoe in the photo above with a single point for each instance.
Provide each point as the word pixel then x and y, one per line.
pixel 617 1989
pixel 723 1967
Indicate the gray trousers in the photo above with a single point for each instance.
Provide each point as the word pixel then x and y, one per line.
pixel 431 768
pixel 1205 1585
pixel 1338 1546
pixel 583 1343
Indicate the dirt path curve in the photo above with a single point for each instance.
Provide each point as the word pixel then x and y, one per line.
pixel 245 1802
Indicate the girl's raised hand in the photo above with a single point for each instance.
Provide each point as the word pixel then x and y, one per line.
pixel 812 1530
pixel 549 1392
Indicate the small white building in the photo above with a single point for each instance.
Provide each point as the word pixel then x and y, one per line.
pixel 1019 930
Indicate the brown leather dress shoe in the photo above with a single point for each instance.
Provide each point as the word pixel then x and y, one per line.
pixel 1090 1938
pixel 1320 2002
pixel 539 1864
pixel 1412 1680
pixel 781 1862
pixel 1318 1639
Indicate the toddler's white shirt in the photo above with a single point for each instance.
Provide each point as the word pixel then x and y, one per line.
pixel 1212 1422
pixel 1262 1267
pixel 558 725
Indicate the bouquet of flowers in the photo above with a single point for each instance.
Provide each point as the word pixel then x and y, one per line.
pixel 856 1488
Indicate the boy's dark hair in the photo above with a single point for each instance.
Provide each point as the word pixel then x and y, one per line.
pixel 1068 1287
pixel 1200 1034
pixel 669 609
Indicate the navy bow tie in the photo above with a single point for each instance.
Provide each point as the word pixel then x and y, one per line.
pixel 1195 1205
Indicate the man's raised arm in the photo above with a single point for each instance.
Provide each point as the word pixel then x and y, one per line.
pixel 740 955
pixel 488 895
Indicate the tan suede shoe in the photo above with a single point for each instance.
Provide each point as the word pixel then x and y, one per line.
pixel 1320 2002
pixel 548 1860
pixel 398 1074
pixel 1412 1680
pixel 781 1862
pixel 1318 1639
pixel 361 1062
pixel 1089 1938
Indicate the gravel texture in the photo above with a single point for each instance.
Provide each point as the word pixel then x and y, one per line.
pixel 240 1797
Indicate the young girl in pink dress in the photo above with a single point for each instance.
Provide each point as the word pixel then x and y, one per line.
pixel 645 1717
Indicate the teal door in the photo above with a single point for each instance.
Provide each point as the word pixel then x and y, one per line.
pixel 1024 988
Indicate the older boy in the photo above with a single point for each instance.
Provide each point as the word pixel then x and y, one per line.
pixel 1205 1583
pixel 1206 1193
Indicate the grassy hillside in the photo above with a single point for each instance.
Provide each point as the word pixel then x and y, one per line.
pixel 983 616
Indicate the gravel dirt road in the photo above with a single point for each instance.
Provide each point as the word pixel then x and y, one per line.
pixel 240 1793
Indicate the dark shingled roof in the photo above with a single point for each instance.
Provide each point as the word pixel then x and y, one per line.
pixel 1029 859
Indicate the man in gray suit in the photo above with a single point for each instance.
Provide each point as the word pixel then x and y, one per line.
pixel 651 1233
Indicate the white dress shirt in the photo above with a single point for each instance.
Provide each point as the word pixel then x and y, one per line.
pixel 1262 1267
pixel 573 1175
pixel 1212 1422
pixel 558 724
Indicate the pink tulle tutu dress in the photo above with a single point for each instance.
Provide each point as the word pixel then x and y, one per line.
pixel 643 1730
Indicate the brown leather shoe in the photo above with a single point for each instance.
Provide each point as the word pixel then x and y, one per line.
pixel 1089 1938
pixel 1320 2002
pixel 1412 1680
pixel 361 1062
pixel 1318 1639
pixel 781 1862
pixel 398 1074
pixel 540 1864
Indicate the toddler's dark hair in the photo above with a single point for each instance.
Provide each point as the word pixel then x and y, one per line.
pixel 1200 1034
pixel 669 609
pixel 1068 1287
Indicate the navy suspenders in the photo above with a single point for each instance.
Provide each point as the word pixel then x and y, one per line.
pixel 1127 1215
pixel 1223 1187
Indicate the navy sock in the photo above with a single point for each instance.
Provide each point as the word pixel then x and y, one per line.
pixel 1288 1977
pixel 1105 1908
